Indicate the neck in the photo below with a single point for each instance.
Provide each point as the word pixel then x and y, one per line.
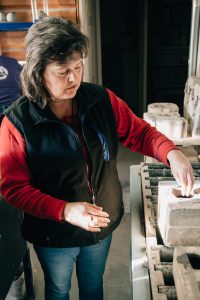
pixel 63 108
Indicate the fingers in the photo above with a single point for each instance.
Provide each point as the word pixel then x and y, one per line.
pixel 85 215
pixel 182 170
pixel 96 210
pixel 95 224
pixel 183 189
pixel 98 221
pixel 186 183
pixel 189 186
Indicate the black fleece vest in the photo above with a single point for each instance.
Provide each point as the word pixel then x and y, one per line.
pixel 58 167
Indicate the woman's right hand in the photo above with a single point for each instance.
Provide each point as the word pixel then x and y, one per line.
pixel 85 215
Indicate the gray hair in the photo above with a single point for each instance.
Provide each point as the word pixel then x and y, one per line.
pixel 50 39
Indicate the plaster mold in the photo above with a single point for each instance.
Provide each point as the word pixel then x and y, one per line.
pixel 178 216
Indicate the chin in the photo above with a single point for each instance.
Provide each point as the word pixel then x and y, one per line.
pixel 72 93
pixel 68 96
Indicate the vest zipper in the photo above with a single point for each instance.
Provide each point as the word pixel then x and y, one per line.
pixel 89 177
pixel 89 180
pixel 90 184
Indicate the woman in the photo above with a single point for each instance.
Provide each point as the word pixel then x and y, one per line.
pixel 58 159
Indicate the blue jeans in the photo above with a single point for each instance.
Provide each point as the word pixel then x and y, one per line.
pixel 58 263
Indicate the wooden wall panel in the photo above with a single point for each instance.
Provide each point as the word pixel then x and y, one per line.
pixel 12 42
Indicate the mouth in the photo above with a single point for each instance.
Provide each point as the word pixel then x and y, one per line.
pixel 71 88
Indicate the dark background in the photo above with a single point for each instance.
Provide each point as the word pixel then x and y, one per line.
pixel 167 50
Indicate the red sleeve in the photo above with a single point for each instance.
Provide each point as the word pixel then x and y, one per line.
pixel 137 134
pixel 16 188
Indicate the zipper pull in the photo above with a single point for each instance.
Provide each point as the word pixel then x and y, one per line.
pixel 93 199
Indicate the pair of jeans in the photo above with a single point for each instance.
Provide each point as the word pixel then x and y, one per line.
pixel 58 264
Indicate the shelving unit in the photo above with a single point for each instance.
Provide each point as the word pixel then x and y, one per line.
pixel 14 26
pixel 12 34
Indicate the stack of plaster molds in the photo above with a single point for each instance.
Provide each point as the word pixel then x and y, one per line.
pixel 178 217
pixel 192 105
pixel 186 272
pixel 166 118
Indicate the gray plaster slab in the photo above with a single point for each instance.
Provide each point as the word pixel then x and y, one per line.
pixel 185 272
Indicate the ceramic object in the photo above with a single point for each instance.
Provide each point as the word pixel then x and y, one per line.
pixel 2 17
pixel 11 16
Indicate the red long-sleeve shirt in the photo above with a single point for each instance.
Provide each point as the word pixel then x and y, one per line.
pixel 16 186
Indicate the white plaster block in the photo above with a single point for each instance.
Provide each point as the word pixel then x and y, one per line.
pixel 172 126
pixel 151 117
pixel 178 217
pixel 163 107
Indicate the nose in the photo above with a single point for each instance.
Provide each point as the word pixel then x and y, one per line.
pixel 71 77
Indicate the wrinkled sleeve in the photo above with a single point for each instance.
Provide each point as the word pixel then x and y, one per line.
pixel 137 134
pixel 16 186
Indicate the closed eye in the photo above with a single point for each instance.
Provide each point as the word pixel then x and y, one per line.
pixel 61 74
pixel 78 68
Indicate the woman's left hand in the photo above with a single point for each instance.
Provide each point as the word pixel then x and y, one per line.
pixel 182 170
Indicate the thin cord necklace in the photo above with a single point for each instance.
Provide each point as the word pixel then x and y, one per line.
pixel 73 110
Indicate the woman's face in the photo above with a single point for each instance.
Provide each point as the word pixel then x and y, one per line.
pixel 63 81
